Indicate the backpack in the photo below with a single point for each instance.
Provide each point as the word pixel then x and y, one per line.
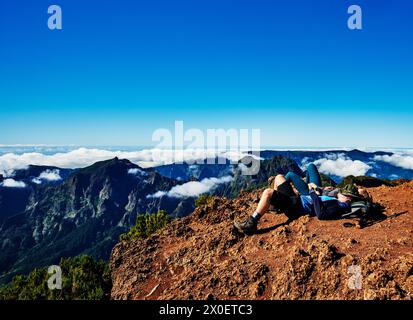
pixel 358 209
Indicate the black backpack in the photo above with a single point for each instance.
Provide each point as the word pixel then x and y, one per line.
pixel 359 209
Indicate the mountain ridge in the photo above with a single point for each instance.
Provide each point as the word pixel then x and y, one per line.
pixel 86 213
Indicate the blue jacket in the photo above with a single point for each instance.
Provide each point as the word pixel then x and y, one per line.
pixel 324 207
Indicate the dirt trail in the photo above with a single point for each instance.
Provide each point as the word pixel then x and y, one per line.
pixel 199 257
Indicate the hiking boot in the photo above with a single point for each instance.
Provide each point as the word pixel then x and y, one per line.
pixel 248 226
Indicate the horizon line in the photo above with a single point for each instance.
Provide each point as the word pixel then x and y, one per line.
pixel 262 148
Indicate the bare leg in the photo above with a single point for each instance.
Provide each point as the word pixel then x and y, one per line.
pixel 264 203
pixel 249 226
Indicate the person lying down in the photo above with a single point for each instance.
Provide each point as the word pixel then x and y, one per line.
pixel 295 197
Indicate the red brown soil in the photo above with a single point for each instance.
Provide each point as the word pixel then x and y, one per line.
pixel 199 257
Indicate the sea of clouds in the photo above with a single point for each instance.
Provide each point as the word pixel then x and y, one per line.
pixel 12 159
pixel 404 161
pixel 83 157
pixel 342 166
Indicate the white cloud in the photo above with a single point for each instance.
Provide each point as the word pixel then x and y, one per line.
pixel 137 171
pixel 11 183
pixel 37 181
pixel 193 188
pixel 157 194
pixel 341 166
pixel 304 163
pixel 48 175
pixel 398 159
pixel 83 157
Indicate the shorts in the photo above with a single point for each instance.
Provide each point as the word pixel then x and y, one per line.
pixel 285 199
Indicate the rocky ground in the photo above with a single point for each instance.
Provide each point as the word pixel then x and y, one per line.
pixel 199 257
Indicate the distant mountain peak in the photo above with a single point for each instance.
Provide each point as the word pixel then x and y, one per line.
pixel 110 164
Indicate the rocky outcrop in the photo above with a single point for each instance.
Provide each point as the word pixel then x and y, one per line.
pixel 200 257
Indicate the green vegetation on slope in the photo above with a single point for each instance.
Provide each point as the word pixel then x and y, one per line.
pixel 203 199
pixel 83 278
pixel 146 225
pixel 368 182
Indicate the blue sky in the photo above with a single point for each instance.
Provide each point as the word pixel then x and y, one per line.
pixel 121 69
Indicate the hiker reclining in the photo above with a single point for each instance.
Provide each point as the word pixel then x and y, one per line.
pixel 311 199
